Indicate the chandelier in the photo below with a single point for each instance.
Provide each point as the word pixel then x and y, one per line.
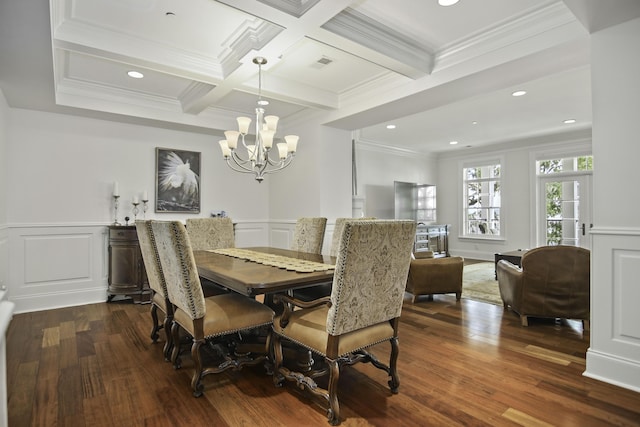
pixel 256 157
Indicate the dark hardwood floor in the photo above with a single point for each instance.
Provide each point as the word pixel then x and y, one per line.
pixel 460 363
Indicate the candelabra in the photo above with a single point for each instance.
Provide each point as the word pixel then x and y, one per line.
pixel 135 210
pixel 115 203
pixel 145 206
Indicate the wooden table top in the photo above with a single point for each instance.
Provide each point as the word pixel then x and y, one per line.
pixel 251 278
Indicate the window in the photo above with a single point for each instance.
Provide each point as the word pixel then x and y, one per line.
pixel 564 206
pixel 482 190
pixel 426 199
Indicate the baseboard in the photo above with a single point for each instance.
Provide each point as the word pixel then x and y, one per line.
pixel 613 370
pixel 49 301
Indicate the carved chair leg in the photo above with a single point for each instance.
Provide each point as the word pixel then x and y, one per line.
pixel 276 346
pixel 458 296
pixel 394 382
pixel 168 345
pixel 196 380
pixel 156 326
pixel 333 414
pixel 175 354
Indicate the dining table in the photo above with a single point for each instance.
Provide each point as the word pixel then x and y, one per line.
pixel 264 270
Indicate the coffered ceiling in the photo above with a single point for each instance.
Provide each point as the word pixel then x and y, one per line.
pixel 358 65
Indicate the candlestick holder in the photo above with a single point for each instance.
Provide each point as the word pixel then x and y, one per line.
pixel 145 206
pixel 115 207
pixel 135 210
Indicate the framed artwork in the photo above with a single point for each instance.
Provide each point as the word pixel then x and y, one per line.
pixel 177 181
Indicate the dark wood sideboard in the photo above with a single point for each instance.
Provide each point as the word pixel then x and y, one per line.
pixel 127 276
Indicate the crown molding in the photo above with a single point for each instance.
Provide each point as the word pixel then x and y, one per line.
pixel 295 8
pixel 253 34
pixel 385 149
pixel 361 29
pixel 530 24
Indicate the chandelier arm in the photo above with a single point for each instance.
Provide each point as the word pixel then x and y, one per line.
pixel 283 165
pixel 241 168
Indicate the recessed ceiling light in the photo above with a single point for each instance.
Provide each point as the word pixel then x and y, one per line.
pixel 135 74
pixel 474 122
pixel 519 93
pixel 447 2
pixel 453 142
pixel 391 126
pixel 569 121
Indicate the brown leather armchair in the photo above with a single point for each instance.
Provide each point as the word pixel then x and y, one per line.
pixel 552 282
pixel 430 276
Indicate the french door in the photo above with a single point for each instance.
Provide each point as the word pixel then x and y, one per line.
pixel 564 210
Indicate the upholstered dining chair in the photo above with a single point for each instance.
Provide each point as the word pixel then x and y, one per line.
pixel 210 233
pixel 324 289
pixel 155 276
pixel 337 233
pixel 220 319
pixel 207 234
pixel 363 309
pixel 308 235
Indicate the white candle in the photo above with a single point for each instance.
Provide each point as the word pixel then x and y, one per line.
pixel 145 196
pixel 116 190
pixel 135 199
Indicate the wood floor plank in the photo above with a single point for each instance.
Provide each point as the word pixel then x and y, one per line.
pixel 460 363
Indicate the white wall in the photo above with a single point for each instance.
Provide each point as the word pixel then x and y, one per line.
pixel 378 168
pixel 58 199
pixel 518 187
pixel 317 183
pixel 62 170
pixel 614 354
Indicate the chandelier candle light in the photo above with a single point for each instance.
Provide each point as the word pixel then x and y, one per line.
pixel 257 160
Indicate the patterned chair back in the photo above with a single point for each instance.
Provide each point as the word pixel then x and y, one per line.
pixel 210 233
pixel 150 258
pixel 371 273
pixel 337 233
pixel 308 235
pixel 179 267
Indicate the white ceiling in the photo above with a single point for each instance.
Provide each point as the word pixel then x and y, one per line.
pixel 430 70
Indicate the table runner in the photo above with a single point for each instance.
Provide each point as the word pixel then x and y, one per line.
pixel 280 261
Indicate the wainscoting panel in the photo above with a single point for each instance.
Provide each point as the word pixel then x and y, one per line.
pixel 57 257
pixel 53 266
pixel 281 234
pixel 626 320
pixel 4 258
pixel 251 234
pixel 614 354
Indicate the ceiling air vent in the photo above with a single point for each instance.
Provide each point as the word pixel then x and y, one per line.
pixel 322 62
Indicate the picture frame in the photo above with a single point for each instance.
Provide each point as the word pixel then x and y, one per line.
pixel 177 181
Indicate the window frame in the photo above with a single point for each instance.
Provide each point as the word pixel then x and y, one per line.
pixel 463 181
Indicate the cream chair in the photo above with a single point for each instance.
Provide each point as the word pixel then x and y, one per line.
pixel 324 289
pixel 363 309
pixel 308 235
pixel 155 276
pixel 219 319
pixel 210 233
pixel 337 233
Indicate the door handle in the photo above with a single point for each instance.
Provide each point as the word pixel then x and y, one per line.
pixel 583 229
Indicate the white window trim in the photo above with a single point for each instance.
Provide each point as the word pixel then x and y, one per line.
pixel 481 161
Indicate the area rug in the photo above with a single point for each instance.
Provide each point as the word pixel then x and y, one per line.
pixel 479 284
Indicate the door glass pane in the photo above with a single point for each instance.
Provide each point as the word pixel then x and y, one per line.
pixel 562 213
